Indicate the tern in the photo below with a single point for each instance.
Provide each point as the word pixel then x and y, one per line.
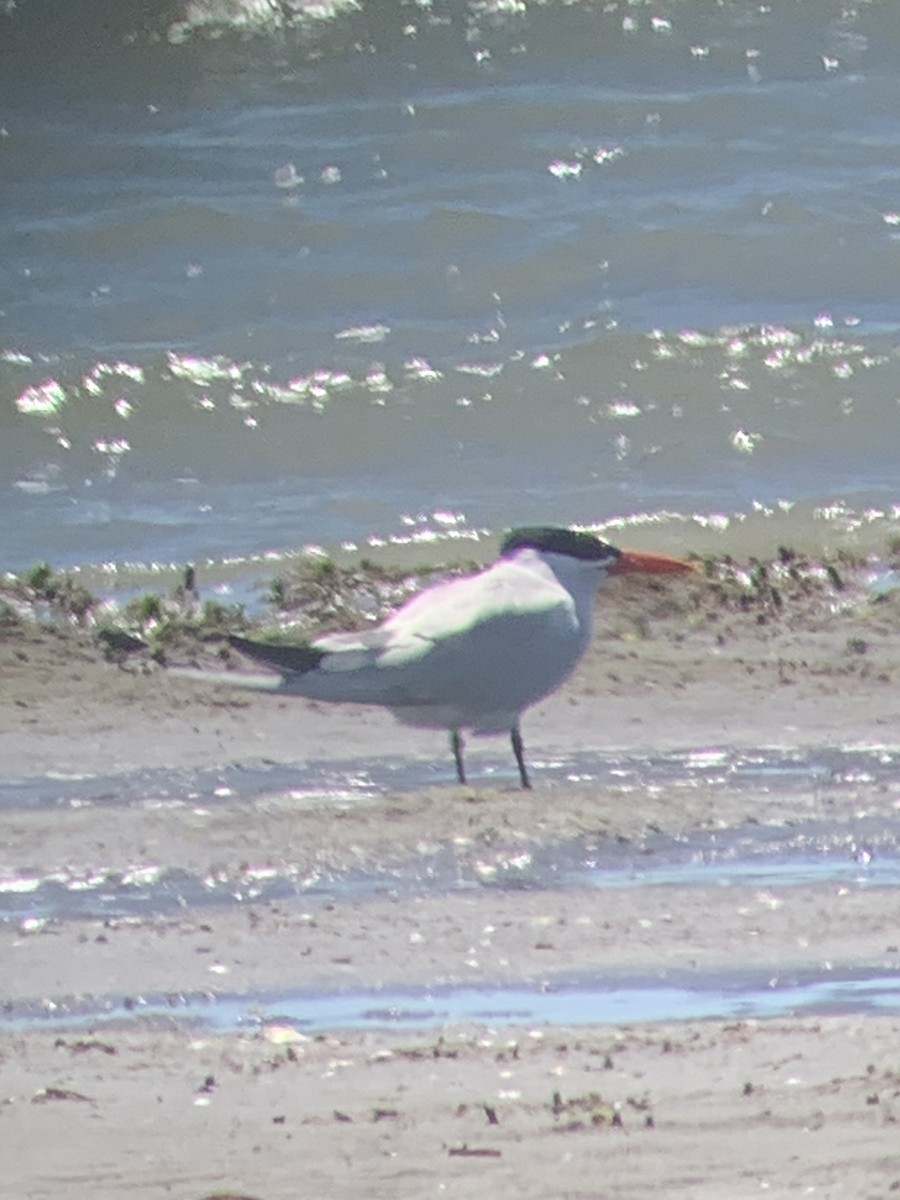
pixel 470 654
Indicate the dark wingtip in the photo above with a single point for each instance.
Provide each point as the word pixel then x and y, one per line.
pixel 297 658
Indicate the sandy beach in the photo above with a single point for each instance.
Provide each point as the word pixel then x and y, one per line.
pixel 165 1106
pixel 306 305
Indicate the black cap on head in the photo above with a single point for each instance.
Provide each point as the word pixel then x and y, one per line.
pixel 555 540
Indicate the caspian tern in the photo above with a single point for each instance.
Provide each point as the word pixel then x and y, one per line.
pixel 469 654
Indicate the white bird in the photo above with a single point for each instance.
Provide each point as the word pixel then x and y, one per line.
pixel 469 654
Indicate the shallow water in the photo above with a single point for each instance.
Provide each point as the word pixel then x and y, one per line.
pixel 363 274
pixel 70 893
pixel 864 852
pixel 853 852
pixel 358 781
pixel 585 1002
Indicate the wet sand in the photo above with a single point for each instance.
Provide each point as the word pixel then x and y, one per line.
pixel 155 1108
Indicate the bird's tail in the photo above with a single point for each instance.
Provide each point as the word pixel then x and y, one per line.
pixel 257 683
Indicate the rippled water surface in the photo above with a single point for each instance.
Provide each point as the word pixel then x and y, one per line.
pixel 275 275
pixel 865 853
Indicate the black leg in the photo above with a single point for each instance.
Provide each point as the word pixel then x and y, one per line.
pixel 456 744
pixel 519 751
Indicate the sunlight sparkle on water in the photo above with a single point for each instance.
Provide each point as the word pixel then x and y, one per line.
pixel 42 400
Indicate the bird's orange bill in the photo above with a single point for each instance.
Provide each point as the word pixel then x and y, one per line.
pixel 633 561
